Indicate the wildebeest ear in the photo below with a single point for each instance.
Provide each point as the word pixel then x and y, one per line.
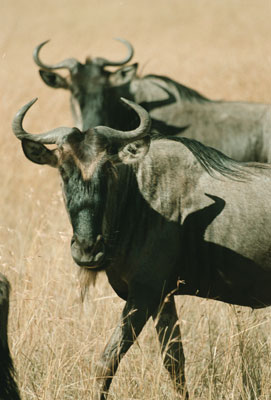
pixel 135 151
pixel 123 75
pixel 38 153
pixel 53 79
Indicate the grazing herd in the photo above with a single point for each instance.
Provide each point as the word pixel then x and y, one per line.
pixel 151 204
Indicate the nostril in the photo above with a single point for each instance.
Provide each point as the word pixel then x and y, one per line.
pixel 88 246
pixel 99 245
pixel 81 242
pixel 88 249
pixel 76 240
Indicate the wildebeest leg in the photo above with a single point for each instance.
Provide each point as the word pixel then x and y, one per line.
pixel 168 331
pixel 8 386
pixel 134 316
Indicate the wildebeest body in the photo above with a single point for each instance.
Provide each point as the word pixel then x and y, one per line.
pixel 194 225
pixel 225 240
pixel 161 216
pixel 239 129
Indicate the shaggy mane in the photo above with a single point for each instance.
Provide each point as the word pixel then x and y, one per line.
pixel 213 160
pixel 184 91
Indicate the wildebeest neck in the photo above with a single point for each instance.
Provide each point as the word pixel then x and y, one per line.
pixel 92 109
pixel 102 106
pixel 135 231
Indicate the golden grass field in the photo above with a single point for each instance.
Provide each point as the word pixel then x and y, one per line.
pixel 222 49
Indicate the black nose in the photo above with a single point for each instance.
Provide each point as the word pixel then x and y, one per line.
pixel 86 244
pixel 87 254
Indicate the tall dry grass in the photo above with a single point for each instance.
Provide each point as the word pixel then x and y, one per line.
pixel 220 48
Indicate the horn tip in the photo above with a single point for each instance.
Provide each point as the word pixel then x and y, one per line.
pixel 45 42
pixel 124 100
pixel 121 40
pixel 37 50
pixel 24 108
pixel 31 102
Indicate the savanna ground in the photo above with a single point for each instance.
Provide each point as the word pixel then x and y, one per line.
pixel 221 48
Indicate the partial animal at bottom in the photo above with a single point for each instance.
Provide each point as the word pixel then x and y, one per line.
pixel 162 217
pixel 8 386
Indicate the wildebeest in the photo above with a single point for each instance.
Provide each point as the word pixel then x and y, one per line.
pixel 8 387
pixel 239 129
pixel 162 217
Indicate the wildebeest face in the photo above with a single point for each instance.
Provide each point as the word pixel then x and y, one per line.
pixel 93 91
pixel 92 86
pixel 84 184
pixel 85 161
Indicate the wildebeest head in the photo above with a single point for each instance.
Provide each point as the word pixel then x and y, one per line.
pixel 91 85
pixel 86 164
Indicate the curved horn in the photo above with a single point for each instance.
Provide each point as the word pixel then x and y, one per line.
pixel 104 62
pixel 128 136
pixel 52 137
pixel 69 63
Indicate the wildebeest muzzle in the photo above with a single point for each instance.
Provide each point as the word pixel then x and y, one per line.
pixel 90 256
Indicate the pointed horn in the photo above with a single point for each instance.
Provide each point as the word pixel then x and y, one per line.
pixel 54 136
pixel 128 136
pixel 103 62
pixel 69 63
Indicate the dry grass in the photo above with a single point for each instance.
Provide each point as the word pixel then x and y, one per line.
pixel 220 48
